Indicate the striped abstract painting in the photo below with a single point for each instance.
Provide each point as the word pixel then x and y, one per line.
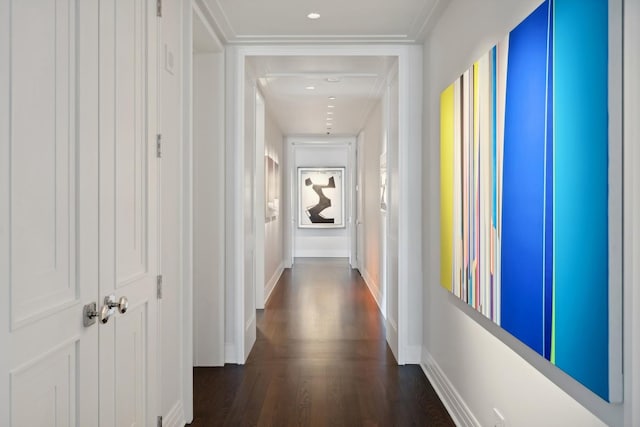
pixel 524 187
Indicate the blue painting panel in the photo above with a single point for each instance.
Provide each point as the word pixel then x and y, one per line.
pixel 581 193
pixel 523 211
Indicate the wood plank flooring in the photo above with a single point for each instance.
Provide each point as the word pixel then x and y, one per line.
pixel 320 359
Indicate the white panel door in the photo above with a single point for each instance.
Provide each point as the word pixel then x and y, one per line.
pixel 128 209
pixel 48 212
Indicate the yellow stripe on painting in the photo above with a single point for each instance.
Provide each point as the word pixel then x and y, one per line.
pixel 446 186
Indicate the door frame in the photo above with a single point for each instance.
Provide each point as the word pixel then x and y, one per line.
pixel 192 10
pixel 410 66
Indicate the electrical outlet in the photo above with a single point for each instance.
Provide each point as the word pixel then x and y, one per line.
pixel 498 419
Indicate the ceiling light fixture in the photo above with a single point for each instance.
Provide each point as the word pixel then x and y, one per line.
pixel 329 112
pixel 332 98
pixel 331 106
pixel 333 80
pixel 310 88
pixel 313 15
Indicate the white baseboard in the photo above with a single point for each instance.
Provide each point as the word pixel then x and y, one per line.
pixel 458 409
pixel 391 329
pixel 230 353
pixel 271 284
pixel 374 289
pixel 251 323
pixel 322 253
pixel 412 354
pixel 250 332
pixel 175 417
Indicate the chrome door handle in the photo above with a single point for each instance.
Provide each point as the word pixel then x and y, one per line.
pixel 108 309
pixel 105 314
pixel 123 305
pixel 89 314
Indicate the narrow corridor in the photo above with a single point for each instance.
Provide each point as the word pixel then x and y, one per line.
pixel 320 359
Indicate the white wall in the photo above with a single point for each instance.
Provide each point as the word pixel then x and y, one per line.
pixel 251 211
pixel 372 222
pixel 473 362
pixel 208 200
pixel 333 242
pixel 171 320
pixel 273 227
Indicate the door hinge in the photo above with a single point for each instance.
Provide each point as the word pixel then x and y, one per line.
pixel 159 146
pixel 159 424
pixel 159 8
pixel 159 286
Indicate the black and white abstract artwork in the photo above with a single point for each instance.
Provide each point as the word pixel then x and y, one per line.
pixel 321 197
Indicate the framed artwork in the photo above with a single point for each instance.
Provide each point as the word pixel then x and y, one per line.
pixel 384 198
pixel 321 197
pixel 526 237
pixel 271 188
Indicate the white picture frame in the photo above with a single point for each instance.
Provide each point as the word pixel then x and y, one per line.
pixel 321 198
pixel 384 196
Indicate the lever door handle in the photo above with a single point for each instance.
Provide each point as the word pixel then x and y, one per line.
pixel 105 314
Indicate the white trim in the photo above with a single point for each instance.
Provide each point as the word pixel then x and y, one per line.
pixel 615 203
pixel 374 289
pixel 185 297
pixel 230 353
pixel 413 354
pixel 322 253
pixel 234 215
pixel 409 213
pixel 200 10
pixel 175 417
pixel 451 399
pixel 259 108
pixel 631 252
pixel 421 23
pixel 273 282
pixel 391 328
pixel 410 184
pixel 217 18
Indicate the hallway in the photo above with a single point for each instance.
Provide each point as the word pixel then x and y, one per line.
pixel 320 359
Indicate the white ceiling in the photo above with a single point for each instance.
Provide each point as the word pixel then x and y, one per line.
pixel 343 20
pixel 301 111
pixel 297 110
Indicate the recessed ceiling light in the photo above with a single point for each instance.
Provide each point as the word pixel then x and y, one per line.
pixel 333 80
pixel 329 118
pixel 331 106
pixel 329 112
pixel 313 15
pixel 310 88
pixel 332 98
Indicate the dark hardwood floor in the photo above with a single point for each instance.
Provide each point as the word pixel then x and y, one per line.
pixel 320 359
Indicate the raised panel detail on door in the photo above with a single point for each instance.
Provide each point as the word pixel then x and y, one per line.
pixel 130 141
pixel 42 150
pixel 43 392
pixel 131 353
pixel 128 209
pixel 49 194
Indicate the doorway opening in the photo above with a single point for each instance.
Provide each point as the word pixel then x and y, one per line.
pixel 327 127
